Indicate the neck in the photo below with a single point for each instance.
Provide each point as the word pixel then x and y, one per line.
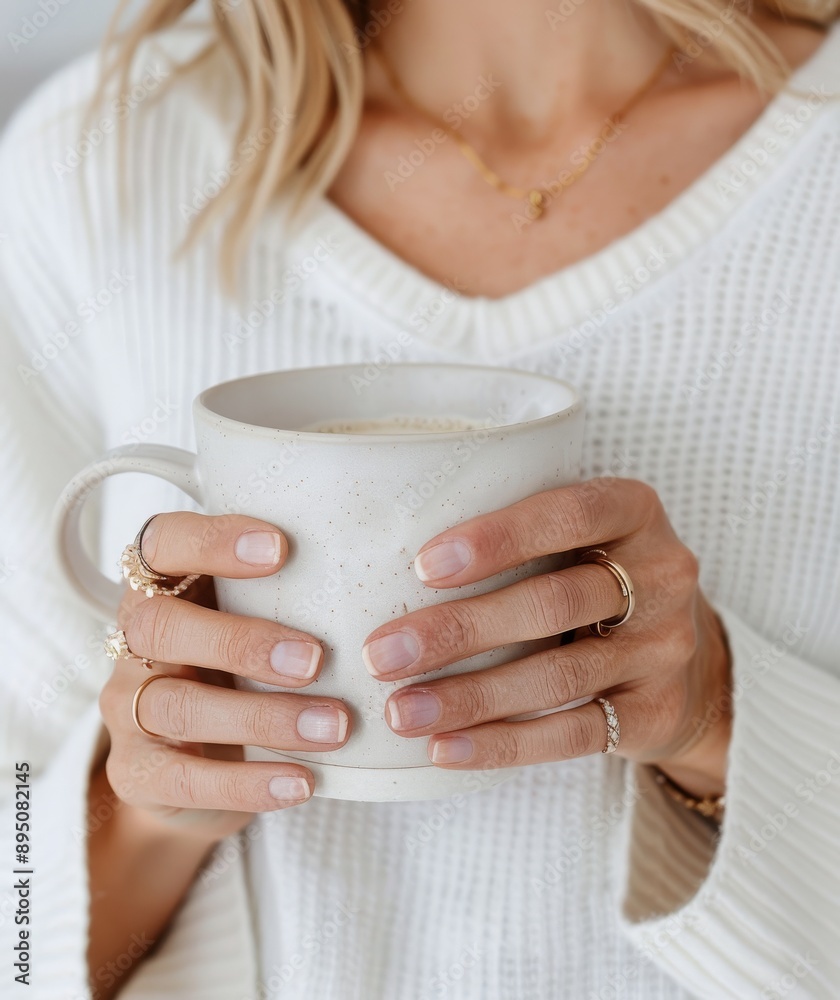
pixel 550 61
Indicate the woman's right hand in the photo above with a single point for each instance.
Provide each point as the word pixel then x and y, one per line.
pixel 193 775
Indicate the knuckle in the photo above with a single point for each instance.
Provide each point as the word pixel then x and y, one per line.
pixel 682 638
pixel 473 700
pixel 234 643
pixel 149 632
pixel 507 748
pixel 258 720
pixel 577 736
pixel 455 630
pixel 178 783
pixel 498 540
pixel 173 710
pixel 686 568
pixel 208 533
pixel 582 509
pixel 552 600
pixel 566 675
pixel 228 789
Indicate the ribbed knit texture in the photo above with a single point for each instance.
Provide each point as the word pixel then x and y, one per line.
pixel 574 880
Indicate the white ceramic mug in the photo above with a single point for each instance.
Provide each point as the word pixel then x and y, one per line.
pixel 356 508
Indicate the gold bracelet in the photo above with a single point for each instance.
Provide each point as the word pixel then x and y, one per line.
pixel 711 806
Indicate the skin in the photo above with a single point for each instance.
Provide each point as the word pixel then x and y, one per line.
pixel 166 801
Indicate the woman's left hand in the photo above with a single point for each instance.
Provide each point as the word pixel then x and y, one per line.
pixel 666 671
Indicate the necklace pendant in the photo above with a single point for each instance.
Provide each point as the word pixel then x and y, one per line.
pixel 536 203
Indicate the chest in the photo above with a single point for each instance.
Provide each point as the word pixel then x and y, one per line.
pixel 413 189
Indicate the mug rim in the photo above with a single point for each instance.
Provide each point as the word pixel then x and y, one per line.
pixel 202 409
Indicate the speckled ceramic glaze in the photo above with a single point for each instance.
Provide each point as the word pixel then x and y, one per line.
pixel 356 509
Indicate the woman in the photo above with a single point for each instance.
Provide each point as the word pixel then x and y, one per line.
pixel 635 197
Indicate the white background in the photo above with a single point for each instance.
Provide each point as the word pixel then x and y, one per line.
pixel 71 28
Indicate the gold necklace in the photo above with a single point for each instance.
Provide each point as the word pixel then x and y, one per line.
pixel 535 198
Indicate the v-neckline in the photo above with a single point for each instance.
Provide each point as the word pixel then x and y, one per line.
pixel 607 279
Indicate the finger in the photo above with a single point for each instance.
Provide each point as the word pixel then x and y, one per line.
pixel 561 520
pixel 228 545
pixel 182 781
pixel 577 732
pixel 192 712
pixel 534 608
pixel 174 631
pixel 544 680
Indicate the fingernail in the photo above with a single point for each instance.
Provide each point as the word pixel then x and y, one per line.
pixel 258 548
pixel 322 725
pixel 452 750
pixel 392 652
pixel 442 560
pixel 413 710
pixel 288 789
pixel 295 658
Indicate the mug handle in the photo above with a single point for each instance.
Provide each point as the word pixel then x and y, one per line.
pixel 101 595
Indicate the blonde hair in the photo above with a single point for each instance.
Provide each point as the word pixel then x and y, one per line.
pixel 306 56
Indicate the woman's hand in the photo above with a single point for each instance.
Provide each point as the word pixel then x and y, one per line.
pixel 193 776
pixel 666 671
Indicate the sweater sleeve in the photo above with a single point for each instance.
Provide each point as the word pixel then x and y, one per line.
pixel 751 909
pixel 53 422
pixel 53 664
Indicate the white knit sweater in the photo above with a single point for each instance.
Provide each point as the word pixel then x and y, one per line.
pixel 714 377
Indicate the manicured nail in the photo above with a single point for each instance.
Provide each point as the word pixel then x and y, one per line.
pixel 452 750
pixel 413 710
pixel 258 548
pixel 322 724
pixel 442 560
pixel 288 789
pixel 295 658
pixel 392 652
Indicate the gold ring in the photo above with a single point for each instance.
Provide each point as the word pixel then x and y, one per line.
pixel 135 705
pixel 116 646
pixel 140 574
pixel 603 628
